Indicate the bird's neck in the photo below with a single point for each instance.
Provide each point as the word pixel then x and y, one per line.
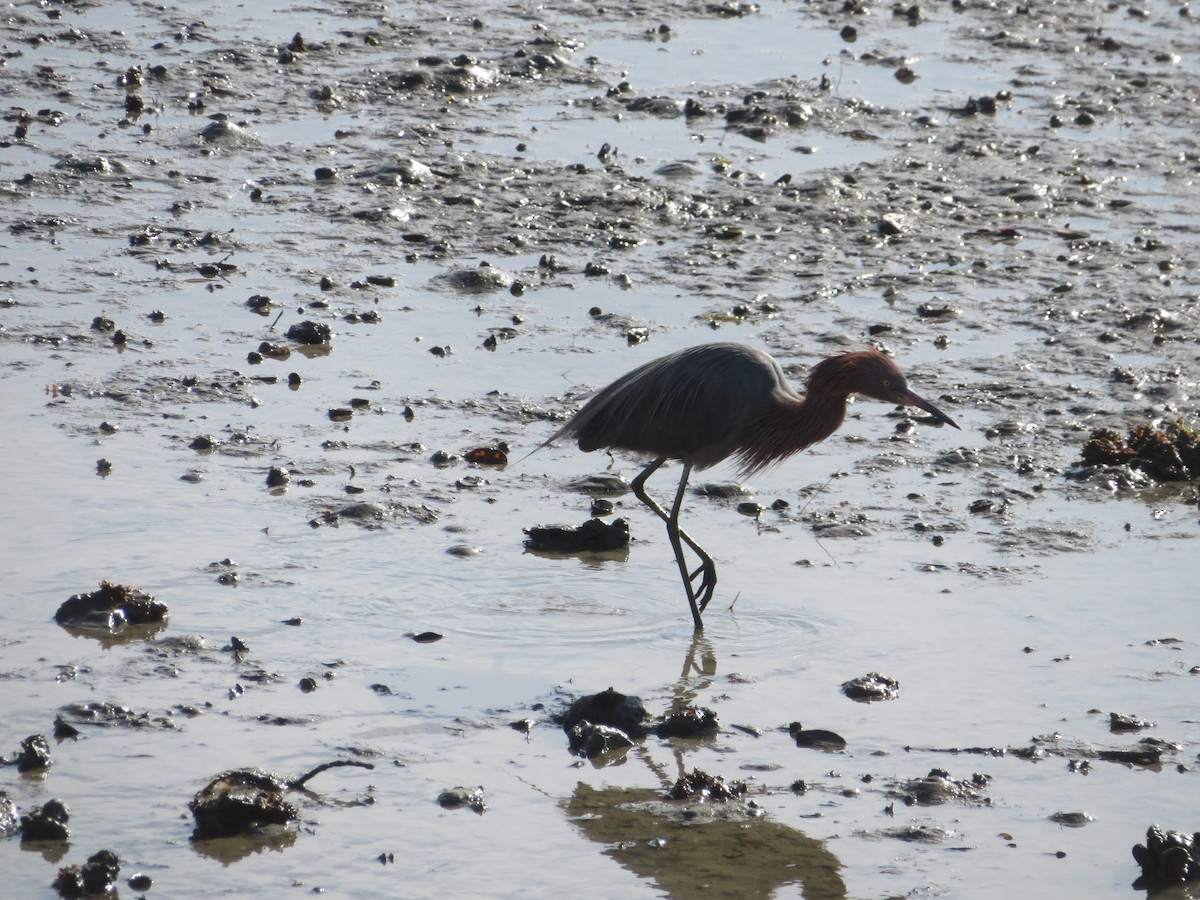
pixel 795 424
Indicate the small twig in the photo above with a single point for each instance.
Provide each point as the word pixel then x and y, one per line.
pixel 816 493
pixel 299 782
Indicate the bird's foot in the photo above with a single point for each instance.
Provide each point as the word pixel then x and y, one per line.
pixel 702 593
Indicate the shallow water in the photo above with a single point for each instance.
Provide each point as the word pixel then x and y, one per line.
pixel 1037 619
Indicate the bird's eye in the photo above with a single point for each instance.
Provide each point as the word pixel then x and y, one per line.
pixel 887 383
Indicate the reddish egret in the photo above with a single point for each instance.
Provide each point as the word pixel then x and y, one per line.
pixel 704 404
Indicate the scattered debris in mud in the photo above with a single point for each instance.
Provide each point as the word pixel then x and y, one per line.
pixel 917 833
pixel 1148 752
pixel 376 515
pixel 938 787
pixel 108 715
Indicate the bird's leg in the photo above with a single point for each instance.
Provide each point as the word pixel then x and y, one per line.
pixel 707 568
pixel 639 491
pixel 676 534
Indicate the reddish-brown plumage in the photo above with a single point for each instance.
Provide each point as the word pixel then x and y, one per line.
pixel 704 404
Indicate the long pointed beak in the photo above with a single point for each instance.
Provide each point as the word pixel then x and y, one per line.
pixel 911 399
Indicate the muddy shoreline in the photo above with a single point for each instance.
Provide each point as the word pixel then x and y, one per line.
pixel 269 281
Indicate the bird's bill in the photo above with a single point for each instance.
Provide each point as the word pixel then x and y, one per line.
pixel 911 399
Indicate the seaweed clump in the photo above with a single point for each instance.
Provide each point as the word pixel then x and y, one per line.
pixel 1168 451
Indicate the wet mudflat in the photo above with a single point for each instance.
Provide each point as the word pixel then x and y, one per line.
pixel 268 279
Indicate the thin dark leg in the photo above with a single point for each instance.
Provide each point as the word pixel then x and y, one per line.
pixel 676 534
pixel 639 491
pixel 707 568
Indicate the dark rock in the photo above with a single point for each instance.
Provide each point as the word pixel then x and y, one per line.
pixel 100 872
pixel 593 741
pixel 871 687
pixel 140 881
pixel 69 882
pixel 699 785
pixel 1167 858
pixel 35 754
pixel 47 822
pixel 309 332
pixel 816 738
pixel 111 608
pixel 240 801
pixel 610 708
pixel 1118 722
pixel 692 722
pixel 593 536
pixel 460 797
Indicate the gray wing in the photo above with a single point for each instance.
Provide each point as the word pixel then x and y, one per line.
pixel 693 405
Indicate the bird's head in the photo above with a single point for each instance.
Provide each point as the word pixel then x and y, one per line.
pixel 872 374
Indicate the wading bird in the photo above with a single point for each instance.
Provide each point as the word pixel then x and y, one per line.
pixel 704 404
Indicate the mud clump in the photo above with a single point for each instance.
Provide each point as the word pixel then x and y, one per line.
pixel 700 785
pixel 108 715
pixel 593 536
pixel 34 755
pixel 593 741
pixel 871 687
pixel 251 801
pixel 463 798
pixel 1168 451
pixel 694 722
pixel 96 877
pixel 111 608
pixel 938 787
pixel 601 724
pixel 1167 858
pixel 240 801
pixel 315 334
pixel 47 822
pixel 611 708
